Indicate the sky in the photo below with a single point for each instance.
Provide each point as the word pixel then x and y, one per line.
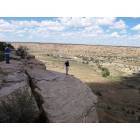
pixel 124 31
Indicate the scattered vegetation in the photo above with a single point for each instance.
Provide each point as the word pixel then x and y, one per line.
pixel 105 72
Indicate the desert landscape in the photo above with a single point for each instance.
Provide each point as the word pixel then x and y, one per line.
pixel 112 72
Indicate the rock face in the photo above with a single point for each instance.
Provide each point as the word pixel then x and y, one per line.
pixel 28 90
pixel 16 101
pixel 65 99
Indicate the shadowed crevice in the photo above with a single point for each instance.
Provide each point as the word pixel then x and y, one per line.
pixel 42 117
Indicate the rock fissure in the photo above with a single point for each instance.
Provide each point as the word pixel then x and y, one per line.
pixel 42 117
pixel 92 108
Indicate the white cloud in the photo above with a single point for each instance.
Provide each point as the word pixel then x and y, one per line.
pixel 136 28
pixel 2 37
pixel 76 21
pixel 119 25
pixel 105 20
pixel 115 34
pixel 135 37
pixel 111 22
pixel 4 23
pixel 6 26
pixel 52 25
pixel 20 25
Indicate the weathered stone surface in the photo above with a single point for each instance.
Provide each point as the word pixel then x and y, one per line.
pixel 64 98
pixel 27 89
pixel 17 103
pixel 33 63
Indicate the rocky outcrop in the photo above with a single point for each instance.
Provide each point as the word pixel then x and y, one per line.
pixel 17 103
pixel 28 91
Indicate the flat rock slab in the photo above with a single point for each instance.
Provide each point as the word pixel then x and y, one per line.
pixel 65 98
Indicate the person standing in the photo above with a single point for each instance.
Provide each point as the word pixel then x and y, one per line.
pixel 7 52
pixel 67 67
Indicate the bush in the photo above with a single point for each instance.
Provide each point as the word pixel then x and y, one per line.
pixel 22 52
pixel 105 72
pixel 1 56
pixel 3 45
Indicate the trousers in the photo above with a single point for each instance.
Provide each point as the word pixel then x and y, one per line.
pixel 7 58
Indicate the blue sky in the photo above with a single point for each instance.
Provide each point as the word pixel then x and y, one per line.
pixel 76 30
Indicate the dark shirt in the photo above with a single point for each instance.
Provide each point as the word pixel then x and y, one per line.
pixel 7 50
pixel 67 64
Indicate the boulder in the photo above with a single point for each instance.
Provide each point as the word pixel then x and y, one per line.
pixel 17 103
pixel 64 99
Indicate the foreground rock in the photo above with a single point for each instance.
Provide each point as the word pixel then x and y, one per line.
pixel 30 93
pixel 63 98
pixel 16 101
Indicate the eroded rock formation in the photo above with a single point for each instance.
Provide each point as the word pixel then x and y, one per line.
pixel 17 103
pixel 29 93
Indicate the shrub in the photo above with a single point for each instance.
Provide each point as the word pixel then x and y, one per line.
pixel 105 72
pixel 3 45
pixel 22 52
pixel 1 56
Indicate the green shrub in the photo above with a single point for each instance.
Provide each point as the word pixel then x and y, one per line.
pixel 105 72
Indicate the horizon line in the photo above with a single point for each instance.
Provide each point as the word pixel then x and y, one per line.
pixel 62 43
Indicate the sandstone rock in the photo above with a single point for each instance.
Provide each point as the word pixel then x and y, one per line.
pixel 28 90
pixel 17 103
pixel 64 98
pixel 33 63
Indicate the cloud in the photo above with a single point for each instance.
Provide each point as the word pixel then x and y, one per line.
pixel 2 37
pixel 20 25
pixel 119 25
pixel 115 34
pixel 69 29
pixel 52 25
pixel 111 22
pixel 136 28
pixel 134 37
pixel 105 20
pixel 6 26
pixel 76 21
